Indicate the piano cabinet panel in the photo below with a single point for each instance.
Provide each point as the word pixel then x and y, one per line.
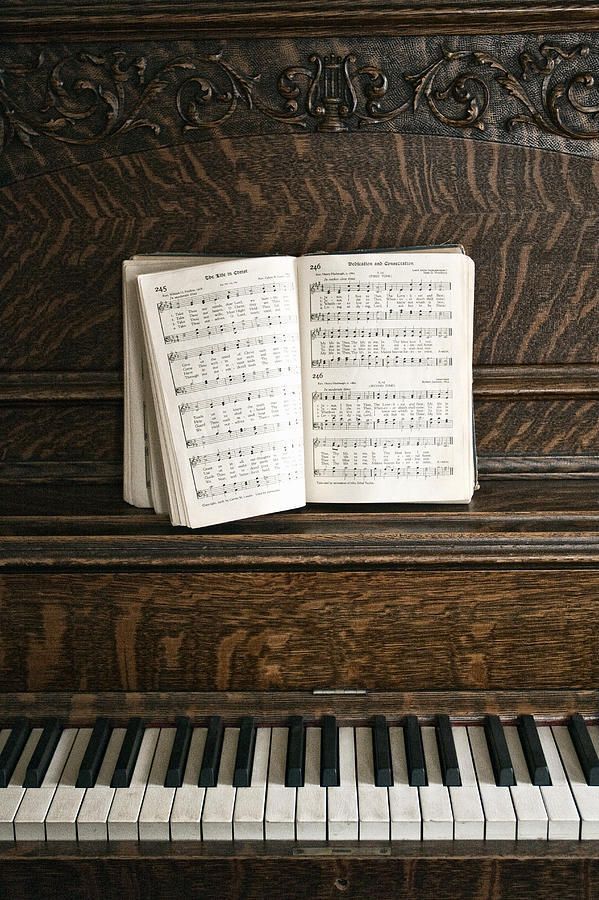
pixel 450 872
pixel 469 629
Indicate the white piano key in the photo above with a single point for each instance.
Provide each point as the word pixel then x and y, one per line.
pixel 435 805
pixel 248 817
pixel 532 822
pixel 373 801
pixel 12 795
pixel 342 815
pixel 127 801
pixel 500 818
pixel 468 815
pixel 564 821
pixel 586 797
pixel 31 815
pixel 92 821
pixel 311 808
pixel 186 814
pixel 279 823
pixel 61 821
pixel 217 816
pixel 155 810
pixel 404 802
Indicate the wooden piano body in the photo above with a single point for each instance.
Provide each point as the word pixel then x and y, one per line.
pixel 245 128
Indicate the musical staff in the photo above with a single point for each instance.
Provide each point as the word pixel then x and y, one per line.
pixel 281 448
pixel 381 362
pixel 240 344
pixel 381 395
pixel 348 333
pixel 249 484
pixel 336 444
pixel 237 378
pixel 246 431
pixel 229 328
pixel 252 290
pixel 268 393
pixel 381 315
pixel 371 287
pixel 386 472
pixel 338 423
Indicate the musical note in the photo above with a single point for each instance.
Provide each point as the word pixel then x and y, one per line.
pixel 354 474
pixel 362 333
pixel 250 484
pixel 225 294
pixel 238 378
pixel 229 328
pixel 381 395
pixel 381 362
pixel 281 391
pixel 240 344
pixel 247 431
pixel 336 444
pixel 350 287
pixel 333 423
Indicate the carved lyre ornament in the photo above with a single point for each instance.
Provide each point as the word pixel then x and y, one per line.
pixel 84 98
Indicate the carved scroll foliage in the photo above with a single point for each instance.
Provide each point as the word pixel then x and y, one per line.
pixel 91 98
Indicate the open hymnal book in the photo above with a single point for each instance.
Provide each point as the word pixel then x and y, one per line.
pixel 257 385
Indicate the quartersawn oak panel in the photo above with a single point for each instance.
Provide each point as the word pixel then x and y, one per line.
pixel 61 432
pixel 493 630
pixel 528 218
pixel 252 871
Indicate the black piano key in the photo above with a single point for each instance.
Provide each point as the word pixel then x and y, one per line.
pixel 381 753
pixel 12 750
pixel 533 752
pixel 94 754
pixel 585 749
pixel 499 753
pixel 212 749
pixel 43 753
pixel 179 753
pixel 125 764
pixel 448 757
pixel 244 760
pixel 414 753
pixel 296 749
pixel 329 752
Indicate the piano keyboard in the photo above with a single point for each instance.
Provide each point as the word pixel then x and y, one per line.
pixel 305 782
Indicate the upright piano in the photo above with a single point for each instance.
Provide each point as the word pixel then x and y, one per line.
pixel 349 662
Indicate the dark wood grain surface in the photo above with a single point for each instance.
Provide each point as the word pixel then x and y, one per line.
pixel 27 20
pixel 493 630
pixel 274 708
pixel 490 873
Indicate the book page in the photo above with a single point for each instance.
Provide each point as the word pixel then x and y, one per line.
pixel 226 379
pixel 143 471
pixel 387 377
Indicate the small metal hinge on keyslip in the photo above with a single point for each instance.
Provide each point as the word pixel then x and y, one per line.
pixel 338 691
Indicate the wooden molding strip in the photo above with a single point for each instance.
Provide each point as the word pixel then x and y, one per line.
pixel 291 552
pixel 160 707
pixel 59 20
pixel 526 382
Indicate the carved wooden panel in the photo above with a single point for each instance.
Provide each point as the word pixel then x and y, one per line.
pixel 65 104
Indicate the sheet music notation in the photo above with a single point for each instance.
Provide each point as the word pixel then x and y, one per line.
pixel 246 431
pixel 358 443
pixel 387 472
pixel 249 484
pixel 371 287
pixel 382 362
pixel 229 328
